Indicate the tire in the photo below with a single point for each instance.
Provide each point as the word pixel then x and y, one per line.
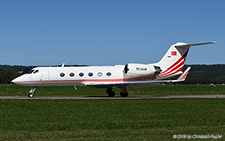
pixel 30 95
pixel 124 94
pixel 111 93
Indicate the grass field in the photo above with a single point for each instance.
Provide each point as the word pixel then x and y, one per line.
pixel 128 119
pixel 107 119
pixel 14 90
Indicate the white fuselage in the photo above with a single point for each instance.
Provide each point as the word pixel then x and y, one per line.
pixel 55 76
pixel 89 75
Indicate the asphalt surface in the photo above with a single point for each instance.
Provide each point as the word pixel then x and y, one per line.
pixel 116 97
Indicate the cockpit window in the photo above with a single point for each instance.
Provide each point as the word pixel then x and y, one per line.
pixel 29 72
pixel 32 71
pixel 36 71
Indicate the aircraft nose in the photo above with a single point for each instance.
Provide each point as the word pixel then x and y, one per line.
pixel 14 80
pixel 18 80
pixel 21 80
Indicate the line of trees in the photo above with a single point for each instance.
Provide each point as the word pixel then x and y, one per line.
pixel 6 76
pixel 206 74
pixel 199 74
pixel 8 73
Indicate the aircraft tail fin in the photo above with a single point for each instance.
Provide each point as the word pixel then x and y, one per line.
pixel 173 61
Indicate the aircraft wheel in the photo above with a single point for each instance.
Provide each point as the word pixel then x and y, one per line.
pixel 124 94
pixel 111 93
pixel 30 95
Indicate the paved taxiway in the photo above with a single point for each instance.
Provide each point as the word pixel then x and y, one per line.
pixel 116 97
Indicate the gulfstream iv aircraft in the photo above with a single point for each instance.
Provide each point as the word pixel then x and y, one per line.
pixel 122 76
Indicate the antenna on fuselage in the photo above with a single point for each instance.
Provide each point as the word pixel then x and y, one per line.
pixel 63 65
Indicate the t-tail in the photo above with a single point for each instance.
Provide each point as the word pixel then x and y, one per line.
pixel 173 61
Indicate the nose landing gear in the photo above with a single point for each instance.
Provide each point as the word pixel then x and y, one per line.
pixel 31 92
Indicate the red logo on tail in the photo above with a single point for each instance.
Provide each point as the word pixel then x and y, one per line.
pixel 173 53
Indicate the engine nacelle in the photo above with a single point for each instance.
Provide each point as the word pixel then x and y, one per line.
pixel 141 70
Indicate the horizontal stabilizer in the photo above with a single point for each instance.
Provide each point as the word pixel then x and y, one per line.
pixel 191 45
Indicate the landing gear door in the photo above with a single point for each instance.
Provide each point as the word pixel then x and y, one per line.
pixel 45 76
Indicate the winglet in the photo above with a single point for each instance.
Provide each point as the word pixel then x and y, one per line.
pixel 184 75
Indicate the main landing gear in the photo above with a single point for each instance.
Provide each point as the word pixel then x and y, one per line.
pixel 110 92
pixel 123 92
pixel 31 92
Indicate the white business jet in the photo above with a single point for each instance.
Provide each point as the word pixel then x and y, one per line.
pixel 122 76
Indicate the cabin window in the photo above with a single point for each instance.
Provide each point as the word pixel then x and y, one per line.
pixel 99 74
pixel 62 74
pixel 72 74
pixel 90 74
pixel 81 74
pixel 108 74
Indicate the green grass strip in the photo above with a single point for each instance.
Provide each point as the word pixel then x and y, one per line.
pixel 106 119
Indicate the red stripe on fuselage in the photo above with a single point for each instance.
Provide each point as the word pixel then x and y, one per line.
pixel 93 80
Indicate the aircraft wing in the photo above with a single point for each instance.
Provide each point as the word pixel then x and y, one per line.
pixel 133 83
